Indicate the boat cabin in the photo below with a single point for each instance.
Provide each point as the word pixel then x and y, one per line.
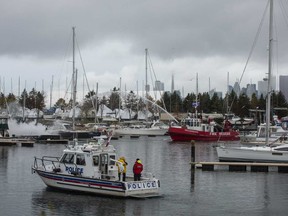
pixel 90 160
pixel 197 124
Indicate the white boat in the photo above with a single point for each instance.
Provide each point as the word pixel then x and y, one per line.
pixel 278 154
pixel 92 168
pixel 256 153
pixel 156 129
pixel 276 133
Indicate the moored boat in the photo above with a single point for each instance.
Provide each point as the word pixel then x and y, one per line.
pixel 275 154
pixel 194 129
pixel 156 129
pixel 92 167
pixel 256 153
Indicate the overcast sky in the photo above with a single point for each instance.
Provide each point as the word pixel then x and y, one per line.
pixel 184 37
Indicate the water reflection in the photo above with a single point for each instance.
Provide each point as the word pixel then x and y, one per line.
pixel 52 202
pixel 184 192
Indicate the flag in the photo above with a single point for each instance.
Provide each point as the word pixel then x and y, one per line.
pixel 195 104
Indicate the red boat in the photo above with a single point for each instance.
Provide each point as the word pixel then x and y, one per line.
pixel 195 130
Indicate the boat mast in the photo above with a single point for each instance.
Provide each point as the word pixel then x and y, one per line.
pixel 196 105
pixel 146 85
pixel 227 95
pixel 268 102
pixel 73 81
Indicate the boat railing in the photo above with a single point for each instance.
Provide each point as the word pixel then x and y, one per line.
pixel 55 161
pixel 46 159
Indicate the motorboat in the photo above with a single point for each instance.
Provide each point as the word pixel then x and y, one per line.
pixel 276 132
pixel 195 129
pixel 156 129
pixel 274 154
pixel 92 167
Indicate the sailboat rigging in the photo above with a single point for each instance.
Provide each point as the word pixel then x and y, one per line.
pixel 72 133
pixel 267 153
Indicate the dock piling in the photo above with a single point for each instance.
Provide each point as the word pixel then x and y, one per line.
pixel 193 154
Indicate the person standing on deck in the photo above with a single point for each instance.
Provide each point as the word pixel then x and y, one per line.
pixel 122 164
pixel 137 169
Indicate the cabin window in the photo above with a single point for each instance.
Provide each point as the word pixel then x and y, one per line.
pixel 80 159
pixel 68 158
pixel 104 159
pixel 96 160
pixel 112 162
pixel 203 128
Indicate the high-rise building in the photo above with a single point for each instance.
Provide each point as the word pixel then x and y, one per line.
pixel 262 86
pixel 283 87
pixel 172 84
pixel 237 88
pixel 251 89
pixel 159 86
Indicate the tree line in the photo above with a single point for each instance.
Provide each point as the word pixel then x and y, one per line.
pixel 172 102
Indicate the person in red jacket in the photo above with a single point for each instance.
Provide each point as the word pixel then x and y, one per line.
pixel 137 169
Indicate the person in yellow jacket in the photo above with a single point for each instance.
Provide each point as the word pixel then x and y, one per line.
pixel 122 168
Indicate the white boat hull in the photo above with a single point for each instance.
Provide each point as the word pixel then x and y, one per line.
pixel 99 186
pixel 141 132
pixel 252 154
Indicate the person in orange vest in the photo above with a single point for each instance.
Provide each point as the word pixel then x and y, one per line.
pixel 137 169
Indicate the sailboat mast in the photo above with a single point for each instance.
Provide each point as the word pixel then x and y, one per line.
pixel 146 85
pixel 73 81
pixel 268 102
pixel 227 95
pixel 196 95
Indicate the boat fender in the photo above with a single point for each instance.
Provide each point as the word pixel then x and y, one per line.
pixel 158 183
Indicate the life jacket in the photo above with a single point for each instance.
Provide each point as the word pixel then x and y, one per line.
pixel 137 168
pixel 123 164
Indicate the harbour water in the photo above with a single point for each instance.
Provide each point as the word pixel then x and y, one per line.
pixel 183 192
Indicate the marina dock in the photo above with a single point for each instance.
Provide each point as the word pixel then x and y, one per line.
pixel 15 141
pixel 237 166
pixel 241 166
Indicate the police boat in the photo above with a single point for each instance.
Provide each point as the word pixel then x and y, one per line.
pixel 92 167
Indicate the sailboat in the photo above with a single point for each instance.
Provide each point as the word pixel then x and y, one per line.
pixel 269 152
pixel 70 132
pixel 155 128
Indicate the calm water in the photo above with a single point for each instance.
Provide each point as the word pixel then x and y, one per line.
pixel 184 193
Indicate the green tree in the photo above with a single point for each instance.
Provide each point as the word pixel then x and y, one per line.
pixel 11 98
pixel 215 104
pixel 254 103
pixel 243 105
pixel 131 103
pixel 188 101
pixel 205 103
pixel 114 100
pixel 165 101
pixel 23 98
pixel 176 102
pixel 61 103
pixel 2 100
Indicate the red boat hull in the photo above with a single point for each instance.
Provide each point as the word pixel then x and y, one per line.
pixel 184 134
